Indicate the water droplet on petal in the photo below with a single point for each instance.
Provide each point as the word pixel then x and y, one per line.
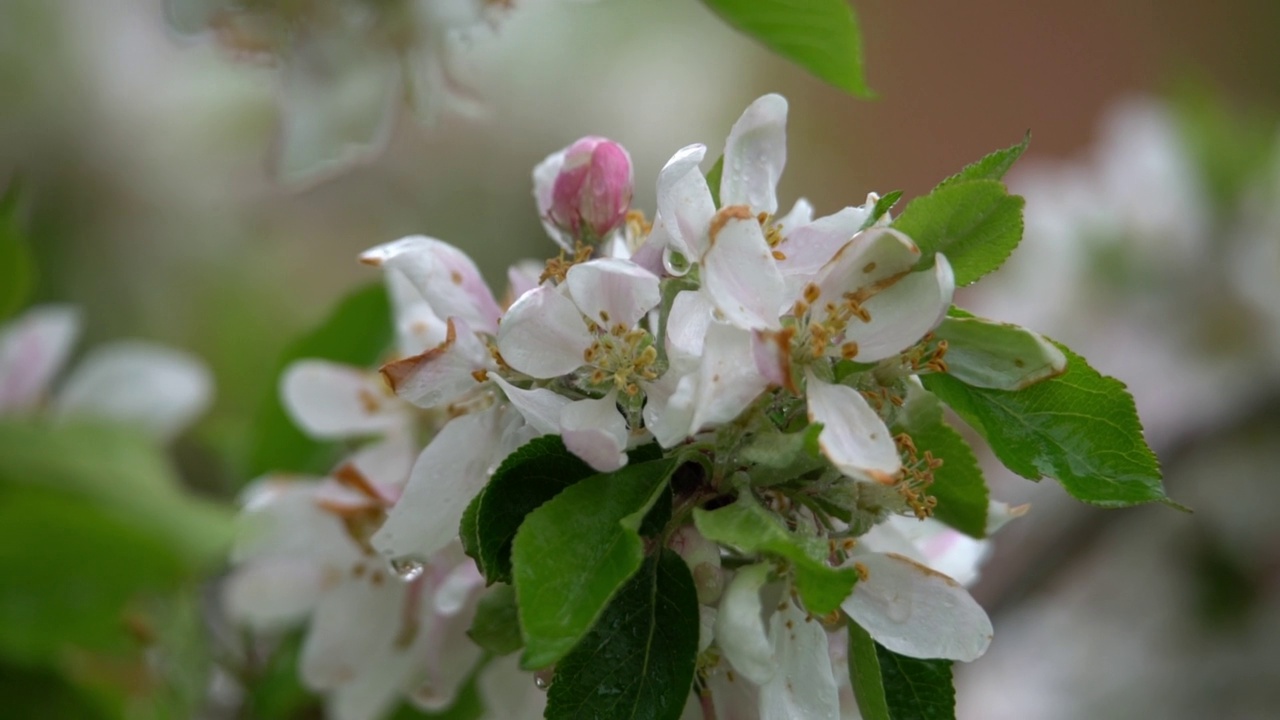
pixel 542 678
pixel 408 569
pixel 675 262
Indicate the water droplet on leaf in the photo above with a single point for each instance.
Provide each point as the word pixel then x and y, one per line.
pixel 542 678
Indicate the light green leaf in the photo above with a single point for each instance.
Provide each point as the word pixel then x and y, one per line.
pixel 357 332
pixel 820 35
pixel 958 485
pixel 713 180
pixel 91 518
pixel 573 553
pixel 1080 427
pixel 882 208
pixel 998 356
pixel 864 675
pixel 496 626
pixel 638 661
pixel 751 528
pixel 17 268
pixel 993 166
pixel 975 223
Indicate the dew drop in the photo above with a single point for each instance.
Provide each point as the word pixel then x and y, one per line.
pixel 408 569
pixel 542 678
pixel 675 262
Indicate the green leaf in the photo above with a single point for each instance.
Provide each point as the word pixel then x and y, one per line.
pixel 1080 427
pixel 536 472
pixel 713 180
pixel 751 528
pixel 864 675
pixel 496 626
pixel 998 356
pixel 882 208
pixel 917 689
pixel 638 661
pixel 975 223
pixel 91 519
pixel 780 456
pixel 820 35
pixel 958 485
pixel 17 267
pixel 573 553
pixel 533 474
pixel 993 166
pixel 32 693
pixel 357 332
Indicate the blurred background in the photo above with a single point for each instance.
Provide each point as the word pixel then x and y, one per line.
pixel 161 195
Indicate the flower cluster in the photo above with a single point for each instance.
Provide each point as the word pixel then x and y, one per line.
pixel 774 359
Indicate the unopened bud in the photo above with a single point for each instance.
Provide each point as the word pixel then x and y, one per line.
pixel 592 192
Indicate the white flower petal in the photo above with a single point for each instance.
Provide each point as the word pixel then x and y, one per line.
pixel 853 436
pixel 668 410
pixel 684 201
pixel 872 257
pixel 931 543
pixel 387 463
pixel 740 626
pixel 330 400
pixel 418 328
pixel 544 182
pixel 447 475
pixel 33 348
pixel 903 313
pixel 539 406
pixel 523 277
pixel 157 389
pixel 687 325
pixel 728 380
pixel 755 155
pixel 801 214
pixel 543 334
pixel 804 686
pixel 806 249
pixel 596 432
pixel 273 593
pixel 445 372
pixel 282 518
pixel 739 273
pixel 915 611
pixel 445 276
pixel 458 587
pixel 613 292
pixel 1000 513
pixel 354 622
pixel 508 692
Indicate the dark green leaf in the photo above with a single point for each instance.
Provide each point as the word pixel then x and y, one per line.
pixel 882 207
pixel 638 661
pixel 993 166
pixel 917 689
pixel 751 528
pixel 536 472
pixel 573 553
pixel 821 36
pixel 1080 428
pixel 496 626
pixel 357 332
pixel 958 485
pixel 527 478
pixel 17 268
pixel 864 675
pixel 31 694
pixel 975 223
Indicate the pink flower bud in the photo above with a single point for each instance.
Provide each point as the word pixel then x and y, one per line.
pixel 592 192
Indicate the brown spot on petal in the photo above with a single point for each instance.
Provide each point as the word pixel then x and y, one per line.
pixel 456 277
pixel 924 570
pixel 722 218
pixel 349 476
pixel 397 371
pixel 868 267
